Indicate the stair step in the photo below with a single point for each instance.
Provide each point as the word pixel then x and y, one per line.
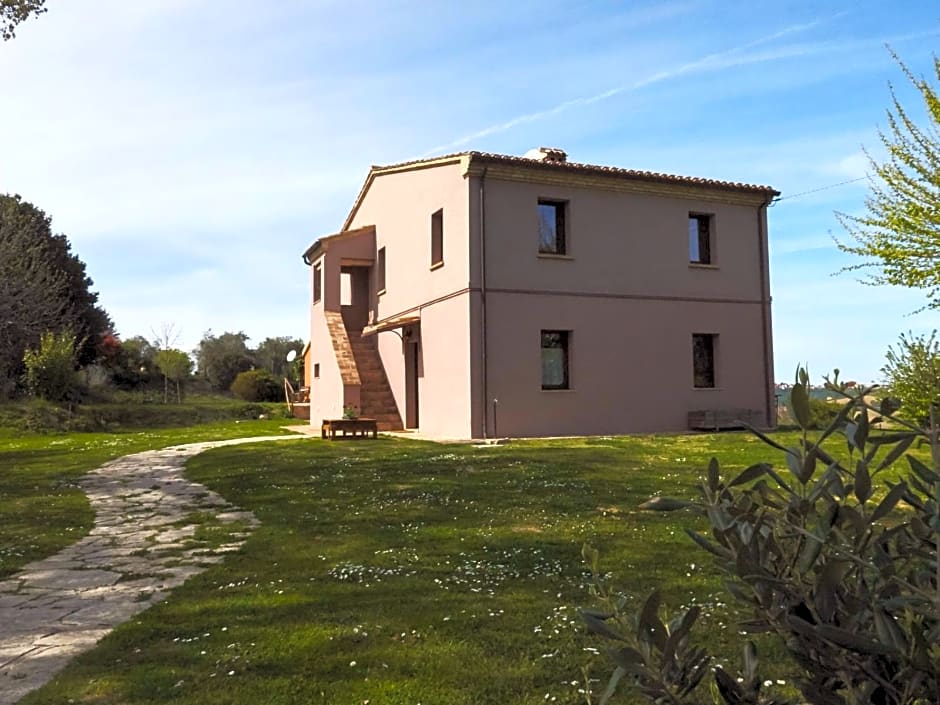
pixel 376 399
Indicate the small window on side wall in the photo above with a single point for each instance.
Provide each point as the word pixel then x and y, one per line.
pixel 380 271
pixel 555 359
pixel 700 238
pixel 317 282
pixel 316 370
pixel 704 346
pixel 437 238
pixel 552 236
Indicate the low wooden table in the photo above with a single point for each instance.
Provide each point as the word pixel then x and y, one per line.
pixel 350 428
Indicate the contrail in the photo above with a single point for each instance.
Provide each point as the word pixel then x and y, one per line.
pixel 706 62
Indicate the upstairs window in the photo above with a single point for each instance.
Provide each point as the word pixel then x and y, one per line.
pixel 317 282
pixel 700 239
pixel 437 238
pixel 555 359
pixel 380 271
pixel 703 360
pixel 552 236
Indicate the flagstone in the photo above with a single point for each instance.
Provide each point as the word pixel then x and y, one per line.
pixel 62 605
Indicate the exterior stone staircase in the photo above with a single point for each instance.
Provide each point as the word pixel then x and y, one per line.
pixel 342 347
pixel 375 395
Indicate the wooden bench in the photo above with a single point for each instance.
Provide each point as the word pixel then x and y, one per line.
pixel 350 428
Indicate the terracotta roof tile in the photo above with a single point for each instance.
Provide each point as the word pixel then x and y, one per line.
pixel 587 169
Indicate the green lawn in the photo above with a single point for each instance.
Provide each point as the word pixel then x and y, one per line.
pixel 401 572
pixel 41 508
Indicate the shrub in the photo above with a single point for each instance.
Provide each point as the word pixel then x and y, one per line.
pixel 257 385
pixel 913 375
pixel 130 414
pixel 846 580
pixel 822 412
pixel 51 370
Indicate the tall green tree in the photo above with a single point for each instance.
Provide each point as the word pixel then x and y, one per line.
pixel 271 355
pixel 898 235
pixel 13 12
pixel 221 357
pixel 43 288
pixel 176 366
pixel 912 371
pixel 132 364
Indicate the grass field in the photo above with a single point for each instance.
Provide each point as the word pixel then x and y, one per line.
pixel 41 508
pixel 401 572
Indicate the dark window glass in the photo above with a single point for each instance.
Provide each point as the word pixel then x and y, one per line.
pixel 380 271
pixel 317 282
pixel 703 360
pixel 554 359
pixel 552 227
pixel 700 239
pixel 437 237
pixel 316 370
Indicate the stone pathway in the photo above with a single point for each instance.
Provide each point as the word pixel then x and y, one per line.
pixel 141 547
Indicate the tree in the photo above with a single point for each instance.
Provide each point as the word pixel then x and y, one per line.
pixel 43 288
pixel 13 12
pixel 50 370
pixel 272 356
pixel 221 357
pixel 899 234
pixel 913 375
pixel 176 366
pixel 257 385
pixel 132 364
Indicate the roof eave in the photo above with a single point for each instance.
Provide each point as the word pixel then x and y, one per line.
pixel 323 243
pixel 473 162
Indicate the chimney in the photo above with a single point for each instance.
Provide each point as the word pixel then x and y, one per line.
pixel 547 154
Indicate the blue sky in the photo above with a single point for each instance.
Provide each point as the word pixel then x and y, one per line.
pixel 192 149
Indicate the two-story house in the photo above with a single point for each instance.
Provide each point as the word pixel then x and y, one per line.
pixel 480 295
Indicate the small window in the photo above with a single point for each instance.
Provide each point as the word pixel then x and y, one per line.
pixel 380 271
pixel 555 359
pixel 317 282
pixel 316 370
pixel 437 238
pixel 700 239
pixel 703 360
pixel 552 227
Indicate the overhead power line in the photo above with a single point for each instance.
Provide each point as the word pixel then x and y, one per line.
pixel 817 190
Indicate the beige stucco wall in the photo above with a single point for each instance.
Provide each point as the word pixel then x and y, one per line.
pixel 632 301
pixel 619 243
pixel 400 206
pixel 630 363
pixel 360 248
pixel 625 290
pixel 326 391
